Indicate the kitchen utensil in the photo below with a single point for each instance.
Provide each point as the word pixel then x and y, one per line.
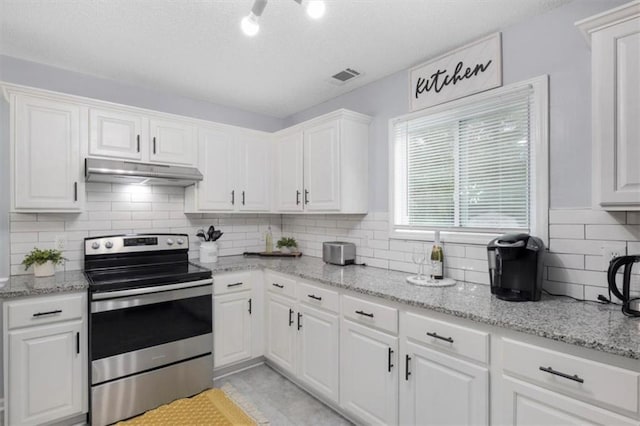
pixel 200 234
pixel 210 232
pixel 216 235
pixel 630 305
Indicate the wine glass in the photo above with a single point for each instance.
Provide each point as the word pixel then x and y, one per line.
pixel 419 256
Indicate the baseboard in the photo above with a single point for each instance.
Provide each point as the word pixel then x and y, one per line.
pixel 221 373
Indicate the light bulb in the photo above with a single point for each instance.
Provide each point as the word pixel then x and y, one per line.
pixel 315 9
pixel 249 24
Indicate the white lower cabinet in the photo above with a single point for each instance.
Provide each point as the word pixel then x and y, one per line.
pixel 281 331
pixel 438 389
pixel 318 356
pixel 237 318
pixel 526 404
pixel 232 341
pixel 45 359
pixel 368 373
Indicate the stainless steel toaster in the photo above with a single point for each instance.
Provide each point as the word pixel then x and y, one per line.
pixel 339 252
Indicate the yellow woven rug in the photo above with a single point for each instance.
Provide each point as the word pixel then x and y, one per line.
pixel 223 407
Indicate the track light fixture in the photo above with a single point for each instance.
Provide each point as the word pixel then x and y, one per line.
pixel 250 25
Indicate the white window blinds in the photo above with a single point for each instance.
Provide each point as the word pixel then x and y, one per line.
pixel 467 168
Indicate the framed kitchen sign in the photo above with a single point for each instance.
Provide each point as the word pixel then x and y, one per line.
pixel 469 69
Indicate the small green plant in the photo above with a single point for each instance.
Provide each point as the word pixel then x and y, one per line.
pixel 38 257
pixel 287 242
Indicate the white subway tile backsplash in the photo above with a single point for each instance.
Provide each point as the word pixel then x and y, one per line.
pixel 613 232
pixel 593 247
pixel 573 261
pixel 567 231
pixel 586 216
pixel 36 226
pixel 578 276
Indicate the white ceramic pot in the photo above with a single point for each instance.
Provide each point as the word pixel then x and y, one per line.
pixel 285 250
pixel 208 251
pixel 46 269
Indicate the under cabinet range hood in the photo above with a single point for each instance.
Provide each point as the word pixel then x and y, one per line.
pixel 129 172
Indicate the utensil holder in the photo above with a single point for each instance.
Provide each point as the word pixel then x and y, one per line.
pixel 208 251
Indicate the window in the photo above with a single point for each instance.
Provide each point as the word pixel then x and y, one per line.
pixel 472 168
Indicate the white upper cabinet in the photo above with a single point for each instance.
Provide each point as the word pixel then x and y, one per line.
pixel 215 162
pixel 615 62
pixel 236 165
pixel 172 142
pixel 322 165
pixel 45 152
pixel 129 135
pixel 288 177
pixel 253 173
pixel 115 134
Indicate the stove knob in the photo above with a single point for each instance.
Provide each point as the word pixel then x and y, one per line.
pixel 180 241
pixel 95 245
pixel 108 244
pixel 169 241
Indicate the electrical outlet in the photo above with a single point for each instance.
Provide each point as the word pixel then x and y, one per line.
pixel 61 242
pixel 608 253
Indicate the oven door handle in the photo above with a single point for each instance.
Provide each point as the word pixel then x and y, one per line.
pixel 147 290
pixel 135 300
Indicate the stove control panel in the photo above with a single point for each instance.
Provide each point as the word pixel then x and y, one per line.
pixel 115 244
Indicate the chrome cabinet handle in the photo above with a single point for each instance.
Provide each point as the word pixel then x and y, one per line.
pixel 233 197
pixel 299 323
pixel 550 370
pixel 243 198
pixel 366 314
pixel 234 284
pixel 277 285
pixel 290 317
pixel 138 143
pixel 297 197
pixel 75 191
pixel 306 196
pixel 250 306
pixel 154 144
pixel 389 364
pixel 437 336
pixel 313 296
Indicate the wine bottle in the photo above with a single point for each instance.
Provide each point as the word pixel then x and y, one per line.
pixel 268 241
pixel 437 258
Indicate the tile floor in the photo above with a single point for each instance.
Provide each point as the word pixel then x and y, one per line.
pixel 281 401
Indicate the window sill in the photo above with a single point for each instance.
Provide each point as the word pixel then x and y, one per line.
pixel 445 236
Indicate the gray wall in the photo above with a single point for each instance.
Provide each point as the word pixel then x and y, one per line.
pixel 547 44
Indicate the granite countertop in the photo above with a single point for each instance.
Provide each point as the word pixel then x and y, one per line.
pixel 28 285
pixel 591 325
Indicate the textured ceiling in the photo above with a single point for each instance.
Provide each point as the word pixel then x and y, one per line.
pixel 195 47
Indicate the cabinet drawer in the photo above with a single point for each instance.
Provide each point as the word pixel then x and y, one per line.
pixel 318 296
pixel 577 376
pixel 281 284
pixel 44 310
pixel 231 282
pixel 449 337
pixel 369 313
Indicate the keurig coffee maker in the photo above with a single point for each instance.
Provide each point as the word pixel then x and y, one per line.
pixel 515 267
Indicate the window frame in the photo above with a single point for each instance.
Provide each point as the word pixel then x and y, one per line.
pixel 539 142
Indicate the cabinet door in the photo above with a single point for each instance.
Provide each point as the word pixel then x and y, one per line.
pixel 288 173
pixel 255 168
pixel 368 374
pixel 115 134
pixel 616 108
pixel 172 142
pixel 45 374
pixel 525 404
pixel 281 332
pixel 46 149
pixel 215 161
pixel 232 322
pixel 322 167
pixel 318 338
pixel 442 390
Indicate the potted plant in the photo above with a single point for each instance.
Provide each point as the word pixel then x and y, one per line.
pixel 287 245
pixel 43 261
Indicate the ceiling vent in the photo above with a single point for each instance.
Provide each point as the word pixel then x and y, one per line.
pixel 343 76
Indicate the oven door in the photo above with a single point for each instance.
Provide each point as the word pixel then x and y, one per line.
pixel 141 329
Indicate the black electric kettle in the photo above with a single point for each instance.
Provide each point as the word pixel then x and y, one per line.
pixel 630 305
